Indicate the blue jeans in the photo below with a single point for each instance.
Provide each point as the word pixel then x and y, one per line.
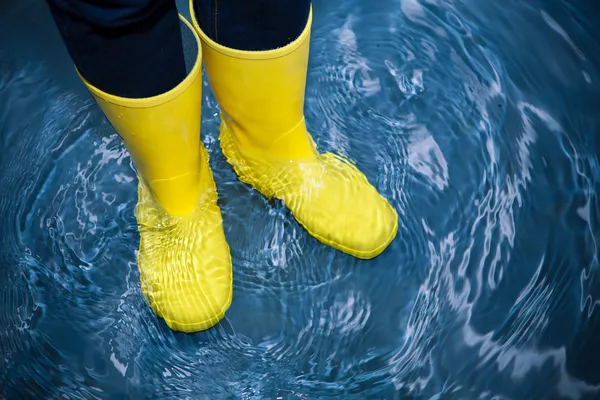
pixel 252 24
pixel 133 48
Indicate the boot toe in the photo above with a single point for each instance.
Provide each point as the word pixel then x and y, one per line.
pixel 185 265
pixel 338 206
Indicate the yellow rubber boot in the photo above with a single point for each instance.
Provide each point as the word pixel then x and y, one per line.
pixel 263 135
pixel 184 261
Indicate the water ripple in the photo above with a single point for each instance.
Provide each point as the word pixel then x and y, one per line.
pixel 477 120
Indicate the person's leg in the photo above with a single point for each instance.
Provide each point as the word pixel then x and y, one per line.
pixel 252 25
pixel 129 48
pixel 142 64
pixel 256 59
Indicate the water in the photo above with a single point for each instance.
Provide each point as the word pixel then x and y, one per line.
pixel 477 119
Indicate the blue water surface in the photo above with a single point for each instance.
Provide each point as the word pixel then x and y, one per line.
pixel 478 119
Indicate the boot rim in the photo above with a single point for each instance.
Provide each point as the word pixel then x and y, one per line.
pixel 250 54
pixel 159 99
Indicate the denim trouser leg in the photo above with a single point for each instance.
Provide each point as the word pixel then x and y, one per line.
pixel 128 48
pixel 252 24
